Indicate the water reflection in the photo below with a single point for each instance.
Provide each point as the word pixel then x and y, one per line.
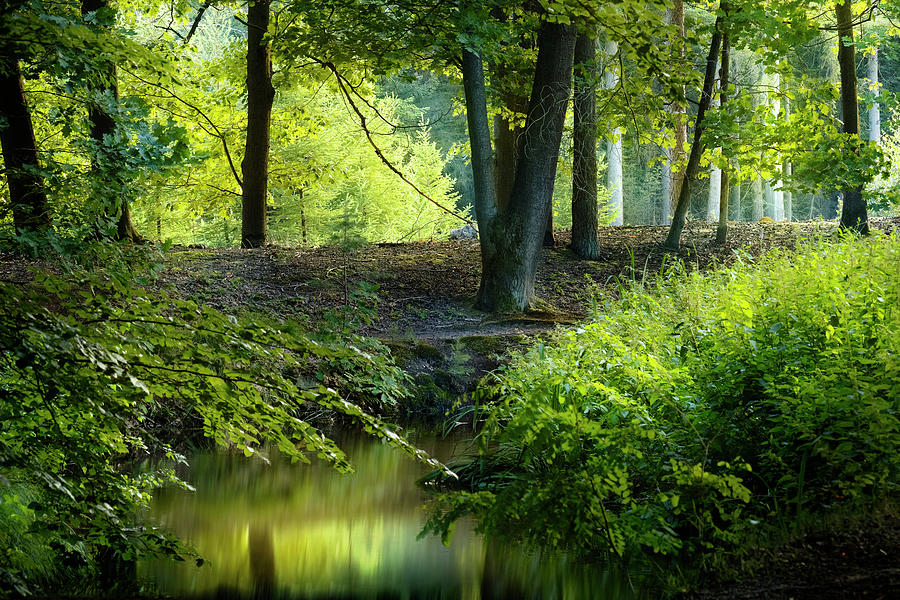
pixel 304 531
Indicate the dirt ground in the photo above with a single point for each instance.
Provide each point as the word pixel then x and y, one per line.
pixel 425 290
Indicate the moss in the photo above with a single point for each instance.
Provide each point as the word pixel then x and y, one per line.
pixel 484 344
pixel 426 351
pixel 404 351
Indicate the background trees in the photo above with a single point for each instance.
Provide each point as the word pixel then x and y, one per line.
pixel 181 144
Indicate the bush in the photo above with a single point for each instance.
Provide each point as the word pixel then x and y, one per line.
pixel 709 410
pixel 97 372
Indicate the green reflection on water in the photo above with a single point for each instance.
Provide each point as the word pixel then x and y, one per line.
pixel 305 531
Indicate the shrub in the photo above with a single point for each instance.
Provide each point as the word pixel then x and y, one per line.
pixel 693 415
pixel 96 372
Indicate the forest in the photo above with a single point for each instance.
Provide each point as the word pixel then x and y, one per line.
pixel 611 288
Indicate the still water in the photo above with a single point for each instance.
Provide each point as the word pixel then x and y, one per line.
pixel 304 531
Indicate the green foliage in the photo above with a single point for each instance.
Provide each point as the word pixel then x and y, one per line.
pixel 95 373
pixel 883 193
pixel 695 416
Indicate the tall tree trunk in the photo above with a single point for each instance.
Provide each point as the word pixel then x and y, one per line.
pixel 584 142
pixel 671 177
pixel 260 95
pixel 875 110
pixel 854 214
pixel 17 141
pixel 103 130
pixel 614 147
pixel 777 191
pixel 787 169
pixel 736 200
pixel 673 240
pixel 511 240
pixel 724 81
pixel 715 189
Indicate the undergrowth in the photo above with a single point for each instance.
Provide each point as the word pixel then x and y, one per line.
pixel 700 414
pixel 98 371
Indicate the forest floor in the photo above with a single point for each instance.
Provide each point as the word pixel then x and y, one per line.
pixel 425 290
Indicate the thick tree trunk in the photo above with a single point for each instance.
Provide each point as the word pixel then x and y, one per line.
pixel 584 142
pixel 854 214
pixel 724 81
pixel 693 167
pixel 260 95
pixel 103 129
pixel 505 156
pixel 758 200
pixel 17 141
pixel 511 240
pixel 614 148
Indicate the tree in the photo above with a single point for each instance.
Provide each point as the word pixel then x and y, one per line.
pixel 671 180
pixel 106 165
pixel 614 145
pixel 260 96
pixel 584 163
pixel 693 167
pixel 724 82
pixel 853 215
pixel 511 238
pixel 19 146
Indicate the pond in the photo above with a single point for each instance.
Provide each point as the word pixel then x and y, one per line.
pixel 279 530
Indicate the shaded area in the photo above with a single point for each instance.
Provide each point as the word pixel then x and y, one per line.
pixel 849 563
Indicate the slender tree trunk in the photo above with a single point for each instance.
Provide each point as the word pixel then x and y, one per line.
pixel 671 177
pixel 787 169
pixel 736 200
pixel 103 131
pixel 17 141
pixel 260 95
pixel 693 167
pixel 584 165
pixel 511 240
pixel 777 191
pixel 614 147
pixel 854 214
pixel 875 110
pixel 724 81
pixel 715 188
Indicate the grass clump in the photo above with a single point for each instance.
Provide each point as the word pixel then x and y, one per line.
pixel 710 412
